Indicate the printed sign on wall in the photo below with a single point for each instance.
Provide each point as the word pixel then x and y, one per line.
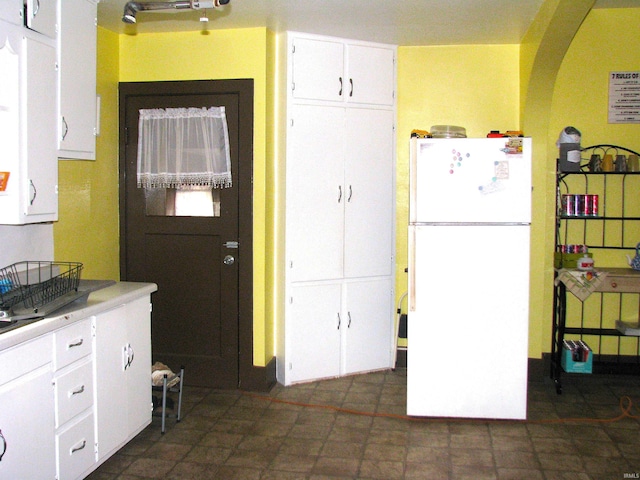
pixel 624 97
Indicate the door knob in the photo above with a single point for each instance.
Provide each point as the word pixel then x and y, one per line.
pixel 229 260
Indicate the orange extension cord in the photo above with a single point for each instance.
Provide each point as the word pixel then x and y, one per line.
pixel 626 406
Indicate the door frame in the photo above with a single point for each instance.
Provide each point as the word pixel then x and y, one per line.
pixel 249 376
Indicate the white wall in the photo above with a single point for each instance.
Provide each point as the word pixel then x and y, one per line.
pixel 25 242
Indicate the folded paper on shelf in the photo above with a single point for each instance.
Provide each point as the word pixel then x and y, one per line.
pixel 628 328
pixel 158 371
pixel 580 283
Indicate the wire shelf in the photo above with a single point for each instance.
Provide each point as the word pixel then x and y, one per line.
pixel 37 283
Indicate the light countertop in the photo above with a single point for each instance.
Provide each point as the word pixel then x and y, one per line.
pixel 98 301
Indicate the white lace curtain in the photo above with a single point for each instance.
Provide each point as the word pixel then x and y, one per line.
pixel 183 148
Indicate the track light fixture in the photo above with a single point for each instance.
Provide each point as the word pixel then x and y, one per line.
pixel 132 8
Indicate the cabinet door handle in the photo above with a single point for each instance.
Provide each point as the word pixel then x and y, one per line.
pixel 350 194
pixel 351 83
pixel 339 320
pixel 66 128
pixel 36 8
pixel 35 192
pixel 130 354
pixel 76 344
pixel 79 447
pixel 77 391
pixel 340 92
pixel 349 324
pixel 339 193
pixel 4 445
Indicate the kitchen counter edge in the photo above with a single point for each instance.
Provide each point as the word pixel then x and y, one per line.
pixel 98 301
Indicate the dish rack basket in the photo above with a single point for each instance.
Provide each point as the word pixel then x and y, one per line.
pixel 34 284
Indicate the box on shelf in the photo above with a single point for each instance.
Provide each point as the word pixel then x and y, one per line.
pixel 577 357
pixel 567 260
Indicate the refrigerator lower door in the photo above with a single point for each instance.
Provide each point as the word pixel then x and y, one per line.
pixel 468 321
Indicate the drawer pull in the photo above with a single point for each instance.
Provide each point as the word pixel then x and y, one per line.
pixel 76 344
pixel 77 391
pixel 79 447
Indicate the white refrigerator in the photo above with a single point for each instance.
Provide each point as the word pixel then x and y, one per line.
pixel 468 308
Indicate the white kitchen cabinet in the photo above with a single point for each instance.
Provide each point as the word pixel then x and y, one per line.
pixel 27 110
pixel 367 306
pixel 41 16
pixel 52 401
pixel 12 11
pixel 316 193
pixel 314 334
pixel 77 105
pixel 27 411
pixel 338 328
pixel 339 212
pixel 344 71
pixel 122 376
pixel 340 192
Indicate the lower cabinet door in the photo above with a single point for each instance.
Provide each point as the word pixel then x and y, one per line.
pixel 368 335
pixel 26 427
pixel 314 336
pixel 75 445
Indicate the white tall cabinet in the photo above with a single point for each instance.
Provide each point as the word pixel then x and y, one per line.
pixel 339 151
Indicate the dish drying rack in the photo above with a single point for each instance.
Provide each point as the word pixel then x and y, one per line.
pixel 35 288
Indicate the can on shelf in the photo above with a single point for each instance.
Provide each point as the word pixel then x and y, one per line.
pixel 591 205
pixel 568 205
pixel 579 209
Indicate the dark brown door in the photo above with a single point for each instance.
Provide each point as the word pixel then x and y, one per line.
pixel 201 264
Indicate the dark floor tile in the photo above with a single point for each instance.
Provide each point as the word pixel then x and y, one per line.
pixel 382 469
pixel 336 466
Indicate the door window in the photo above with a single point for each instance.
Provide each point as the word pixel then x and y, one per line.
pixel 173 202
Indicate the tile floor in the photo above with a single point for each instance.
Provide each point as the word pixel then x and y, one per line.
pixel 313 432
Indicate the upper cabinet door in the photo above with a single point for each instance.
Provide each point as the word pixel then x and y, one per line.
pixel 11 11
pixel 77 106
pixel 41 16
pixel 315 193
pixel 39 136
pixel 318 69
pixel 371 75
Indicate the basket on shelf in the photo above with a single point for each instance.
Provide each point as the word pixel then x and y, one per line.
pixel 37 283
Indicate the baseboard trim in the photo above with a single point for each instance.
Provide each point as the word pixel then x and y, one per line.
pixel 259 379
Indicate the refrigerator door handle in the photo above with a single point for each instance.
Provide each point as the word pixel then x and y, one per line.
pixel 412 269
pixel 413 180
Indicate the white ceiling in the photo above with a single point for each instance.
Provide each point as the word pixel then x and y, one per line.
pixel 400 22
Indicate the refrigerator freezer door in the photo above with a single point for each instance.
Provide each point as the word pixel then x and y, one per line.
pixel 472 180
pixel 468 321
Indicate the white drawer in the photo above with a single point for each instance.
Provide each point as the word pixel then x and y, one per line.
pixel 72 343
pixel 73 392
pixel 23 358
pixel 75 448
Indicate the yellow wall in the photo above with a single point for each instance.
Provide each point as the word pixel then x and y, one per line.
pixel 88 226
pixel 607 41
